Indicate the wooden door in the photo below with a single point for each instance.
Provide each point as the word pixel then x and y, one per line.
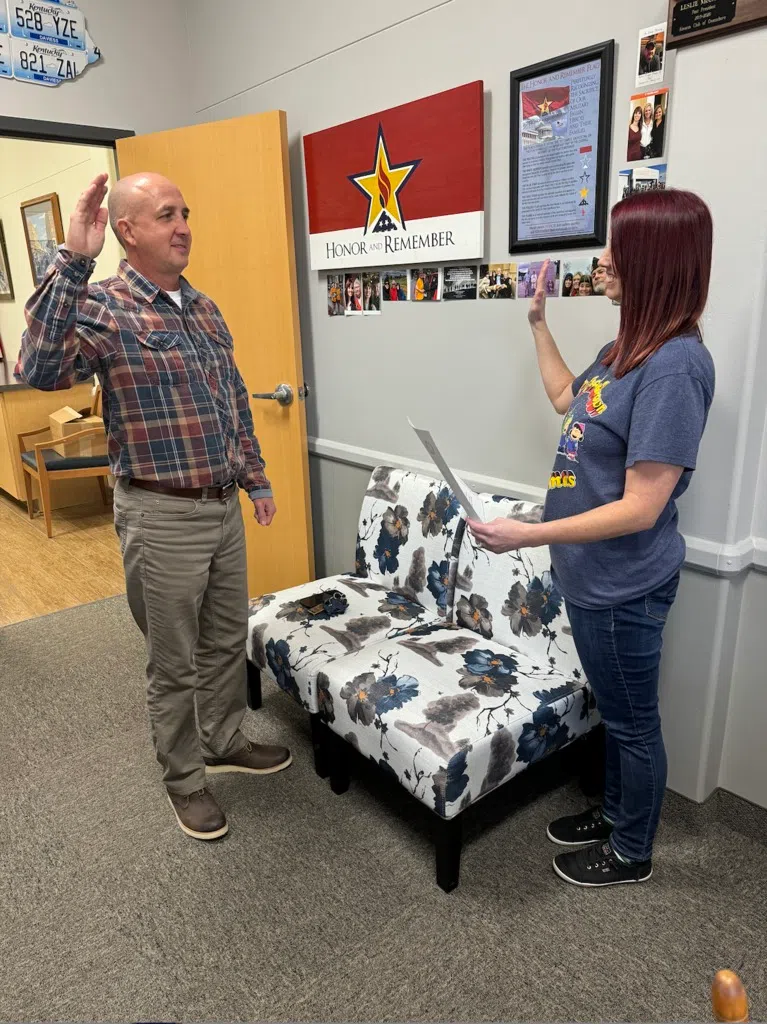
pixel 235 178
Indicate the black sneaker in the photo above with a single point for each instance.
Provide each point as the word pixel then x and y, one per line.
pixel 599 865
pixel 580 829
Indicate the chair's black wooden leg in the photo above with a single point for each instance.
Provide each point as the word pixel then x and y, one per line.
pixel 254 686
pixel 449 840
pixel 321 740
pixel 339 762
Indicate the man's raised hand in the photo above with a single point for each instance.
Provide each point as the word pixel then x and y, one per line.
pixel 87 225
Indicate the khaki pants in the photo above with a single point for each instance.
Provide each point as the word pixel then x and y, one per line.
pixel 187 589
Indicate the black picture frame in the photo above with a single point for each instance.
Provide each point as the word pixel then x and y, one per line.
pixel 6 294
pixel 605 53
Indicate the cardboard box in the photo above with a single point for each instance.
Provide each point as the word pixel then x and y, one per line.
pixel 67 421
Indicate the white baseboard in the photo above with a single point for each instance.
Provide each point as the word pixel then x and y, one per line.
pixel 707 556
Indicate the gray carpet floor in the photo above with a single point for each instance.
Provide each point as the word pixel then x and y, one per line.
pixel 315 906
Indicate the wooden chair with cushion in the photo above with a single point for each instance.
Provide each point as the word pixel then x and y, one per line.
pixel 44 464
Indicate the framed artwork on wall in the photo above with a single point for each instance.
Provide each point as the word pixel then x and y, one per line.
pixel 6 282
pixel 400 185
pixel 561 125
pixel 44 232
pixel 695 21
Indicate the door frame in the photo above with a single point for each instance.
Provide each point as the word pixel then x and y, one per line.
pixel 61 131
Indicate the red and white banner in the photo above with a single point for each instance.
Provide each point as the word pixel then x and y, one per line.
pixel 402 186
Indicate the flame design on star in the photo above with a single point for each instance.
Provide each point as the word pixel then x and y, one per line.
pixel 382 185
pixel 384 188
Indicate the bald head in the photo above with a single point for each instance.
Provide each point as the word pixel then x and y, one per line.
pixel 148 215
pixel 129 195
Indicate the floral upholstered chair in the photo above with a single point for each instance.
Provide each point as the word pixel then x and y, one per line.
pixel 401 586
pixel 458 709
pixel 453 669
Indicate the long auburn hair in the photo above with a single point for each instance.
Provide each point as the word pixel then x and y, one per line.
pixel 660 244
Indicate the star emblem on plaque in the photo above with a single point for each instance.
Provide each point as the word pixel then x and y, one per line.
pixel 382 185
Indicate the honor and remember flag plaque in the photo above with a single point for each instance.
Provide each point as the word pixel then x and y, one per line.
pixel 561 112
pixel 402 186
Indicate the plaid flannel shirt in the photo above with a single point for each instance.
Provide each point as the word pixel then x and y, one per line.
pixel 175 406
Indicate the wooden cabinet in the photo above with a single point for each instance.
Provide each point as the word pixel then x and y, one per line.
pixel 23 408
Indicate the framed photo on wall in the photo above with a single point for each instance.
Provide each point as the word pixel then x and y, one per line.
pixel 44 232
pixel 695 21
pixel 6 282
pixel 561 122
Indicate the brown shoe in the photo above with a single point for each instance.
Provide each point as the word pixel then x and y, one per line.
pixel 199 815
pixel 253 758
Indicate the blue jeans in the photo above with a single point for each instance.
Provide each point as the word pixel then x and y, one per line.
pixel 620 649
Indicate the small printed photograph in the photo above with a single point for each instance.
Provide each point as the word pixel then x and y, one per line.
pixel 582 277
pixel 395 285
pixel 335 294
pixel 648 177
pixel 527 279
pixel 371 292
pixel 652 54
pixel 425 284
pixel 641 179
pixel 647 125
pixel 459 283
pixel 353 294
pixel 498 281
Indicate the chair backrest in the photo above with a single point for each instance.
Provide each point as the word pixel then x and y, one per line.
pixel 408 528
pixel 511 598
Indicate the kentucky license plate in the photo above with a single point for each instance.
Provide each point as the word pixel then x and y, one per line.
pixel 6 68
pixel 46 64
pixel 3 20
pixel 45 22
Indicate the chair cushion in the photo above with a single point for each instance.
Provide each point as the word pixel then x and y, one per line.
pixel 54 461
pixel 291 645
pixel 408 528
pixel 511 598
pixel 450 714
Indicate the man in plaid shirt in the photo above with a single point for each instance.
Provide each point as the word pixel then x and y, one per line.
pixel 181 442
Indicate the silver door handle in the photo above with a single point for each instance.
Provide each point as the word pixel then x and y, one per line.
pixel 283 394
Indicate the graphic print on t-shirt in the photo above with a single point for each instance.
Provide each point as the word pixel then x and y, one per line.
pixel 572 437
pixel 593 388
pixel 562 478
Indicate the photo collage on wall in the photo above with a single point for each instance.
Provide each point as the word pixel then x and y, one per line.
pixel 362 293
pixel 647 117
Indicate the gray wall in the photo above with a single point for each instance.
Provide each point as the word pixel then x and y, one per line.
pixel 744 760
pixel 491 416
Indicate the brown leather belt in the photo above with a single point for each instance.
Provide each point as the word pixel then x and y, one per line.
pixel 186 492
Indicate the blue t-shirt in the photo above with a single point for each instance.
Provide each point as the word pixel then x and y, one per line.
pixel 655 413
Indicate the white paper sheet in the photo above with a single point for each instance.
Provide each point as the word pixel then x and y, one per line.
pixel 464 494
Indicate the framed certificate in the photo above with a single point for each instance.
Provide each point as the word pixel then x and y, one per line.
pixel 561 120
pixel 695 21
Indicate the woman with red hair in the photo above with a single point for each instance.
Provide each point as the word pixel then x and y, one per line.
pixel 616 549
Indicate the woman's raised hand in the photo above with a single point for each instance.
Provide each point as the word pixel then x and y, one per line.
pixel 536 314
